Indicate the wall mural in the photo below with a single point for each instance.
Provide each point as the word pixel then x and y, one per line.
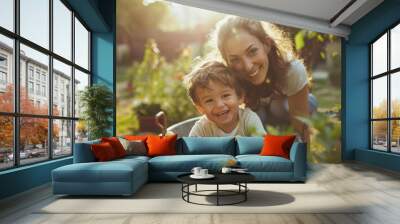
pixel 203 73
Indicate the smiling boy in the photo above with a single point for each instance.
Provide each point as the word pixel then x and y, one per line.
pixel 217 94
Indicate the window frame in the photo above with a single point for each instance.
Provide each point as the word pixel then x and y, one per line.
pixel 16 114
pixel 3 70
pixel 5 58
pixel 388 74
pixel 3 74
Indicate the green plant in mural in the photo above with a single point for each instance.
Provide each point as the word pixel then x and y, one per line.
pixel 97 104
pixel 285 130
pixel 154 81
pixel 325 138
pixel 325 135
pixel 311 46
pixel 127 120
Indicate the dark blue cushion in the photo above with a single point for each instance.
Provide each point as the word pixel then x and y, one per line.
pixel 185 163
pixel 249 145
pixel 206 145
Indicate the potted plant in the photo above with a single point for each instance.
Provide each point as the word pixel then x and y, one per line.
pixel 146 113
pixel 96 102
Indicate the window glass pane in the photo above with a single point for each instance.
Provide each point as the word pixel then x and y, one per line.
pixel 81 131
pixel 395 47
pixel 379 55
pixel 62 29
pixel 62 138
pixel 34 72
pixel 379 135
pixel 6 142
pixel 33 139
pixel 81 45
pixel 6 74
pixel 379 97
pixel 62 89
pixel 35 21
pixel 395 136
pixel 395 94
pixel 7 14
pixel 81 81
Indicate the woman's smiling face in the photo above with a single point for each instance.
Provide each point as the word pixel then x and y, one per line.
pixel 248 56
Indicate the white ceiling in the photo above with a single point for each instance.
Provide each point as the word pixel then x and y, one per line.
pixel 320 9
pixel 314 15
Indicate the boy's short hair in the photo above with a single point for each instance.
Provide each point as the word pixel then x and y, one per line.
pixel 205 72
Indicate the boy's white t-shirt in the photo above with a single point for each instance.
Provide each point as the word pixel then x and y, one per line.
pixel 249 125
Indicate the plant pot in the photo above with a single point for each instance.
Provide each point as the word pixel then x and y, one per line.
pixel 147 124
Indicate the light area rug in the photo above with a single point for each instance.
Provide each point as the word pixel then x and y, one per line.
pixel 166 198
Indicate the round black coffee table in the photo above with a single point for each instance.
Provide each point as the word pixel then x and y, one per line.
pixel 238 179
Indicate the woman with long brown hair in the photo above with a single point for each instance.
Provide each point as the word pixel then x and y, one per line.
pixel 275 80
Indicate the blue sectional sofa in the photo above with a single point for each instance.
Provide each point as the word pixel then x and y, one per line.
pixel 125 176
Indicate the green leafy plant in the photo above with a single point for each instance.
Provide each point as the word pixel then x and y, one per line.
pixel 151 85
pixel 97 102
pixel 325 138
pixel 324 146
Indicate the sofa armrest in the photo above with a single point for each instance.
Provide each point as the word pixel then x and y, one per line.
pixel 298 155
pixel 83 152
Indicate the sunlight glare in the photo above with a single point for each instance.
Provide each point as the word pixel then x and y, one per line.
pixel 183 17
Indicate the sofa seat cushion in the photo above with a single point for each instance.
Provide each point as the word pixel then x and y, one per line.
pixel 134 157
pixel 185 163
pixel 112 171
pixel 257 163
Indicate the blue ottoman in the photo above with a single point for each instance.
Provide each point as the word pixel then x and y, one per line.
pixel 118 177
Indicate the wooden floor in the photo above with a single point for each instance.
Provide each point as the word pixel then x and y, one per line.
pixel 377 188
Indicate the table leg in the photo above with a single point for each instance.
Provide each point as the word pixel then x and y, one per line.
pixel 217 194
pixel 245 193
pixel 182 188
pixel 188 189
pixel 196 188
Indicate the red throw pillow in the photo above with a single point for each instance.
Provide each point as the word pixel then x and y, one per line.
pixel 116 145
pixel 136 137
pixel 103 151
pixel 161 145
pixel 277 145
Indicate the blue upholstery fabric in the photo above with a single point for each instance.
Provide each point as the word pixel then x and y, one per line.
pixel 119 177
pixel 298 155
pixel 257 163
pixel 83 152
pixel 249 145
pixel 132 157
pixel 88 188
pixel 126 175
pixel 94 172
pixel 184 163
pixel 206 145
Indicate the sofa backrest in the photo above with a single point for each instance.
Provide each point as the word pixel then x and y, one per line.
pixel 249 145
pixel 206 145
pixel 190 146
pixel 83 152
